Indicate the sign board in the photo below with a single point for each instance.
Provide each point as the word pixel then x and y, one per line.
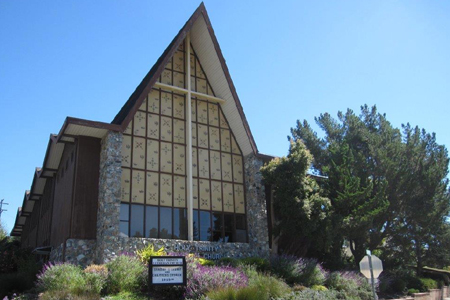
pixel 167 270
pixel 377 266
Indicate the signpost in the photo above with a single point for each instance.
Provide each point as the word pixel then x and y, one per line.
pixel 167 270
pixel 371 267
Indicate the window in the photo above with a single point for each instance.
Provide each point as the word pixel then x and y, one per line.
pixel 137 221
pixel 124 219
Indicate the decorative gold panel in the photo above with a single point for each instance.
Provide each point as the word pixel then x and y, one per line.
pixel 198 70
pixel 139 123
pixel 138 153
pixel 178 131
pixel 226 167
pixel 203 163
pixel 234 146
pixel 202 112
pixel 225 142
pixel 214 139
pixel 228 200
pixel 179 188
pixel 153 126
pixel 216 195
pixel 128 130
pixel 210 90
pixel 166 104
pixel 239 198
pixel 202 135
pixel 152 155
pixel 194 162
pixel 194 134
pixel 166 129
pixel 201 86
pixel 166 190
pixel 137 186
pixel 194 110
pixel 178 79
pixel 153 101
pixel 126 151
pixel 166 157
pixel 178 61
pixel 152 188
pixel 237 169
pixel 125 185
pixel 169 64
pixel 192 63
pixel 166 77
pixel 213 114
pixel 216 172
pixel 143 106
pixel 178 106
pixel 223 121
pixel 205 194
pixel 179 159
pixel 195 192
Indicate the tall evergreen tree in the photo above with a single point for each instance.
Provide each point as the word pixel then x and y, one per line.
pixel 299 207
pixel 387 190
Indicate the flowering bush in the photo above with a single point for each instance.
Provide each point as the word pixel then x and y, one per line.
pixel 61 277
pixel 201 279
pixel 125 274
pixel 95 276
pixel 351 284
pixel 295 270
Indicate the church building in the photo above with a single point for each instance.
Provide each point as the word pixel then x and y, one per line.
pixel 177 167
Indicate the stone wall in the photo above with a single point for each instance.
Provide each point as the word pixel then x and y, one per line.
pixel 209 250
pixel 258 233
pixel 108 213
pixel 76 251
pixel 57 254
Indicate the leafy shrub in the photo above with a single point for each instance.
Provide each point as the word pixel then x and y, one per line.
pixel 149 251
pixel 286 267
pixel 298 270
pixel 201 279
pixel 319 288
pixel 245 293
pixel 66 295
pixel 261 264
pixel 228 261
pixel 428 284
pixel 413 291
pixel 96 276
pixel 309 294
pixel 15 282
pixel 350 284
pixel 125 274
pixel 61 277
pixel 269 286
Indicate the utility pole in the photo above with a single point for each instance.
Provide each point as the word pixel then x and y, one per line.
pixel 1 207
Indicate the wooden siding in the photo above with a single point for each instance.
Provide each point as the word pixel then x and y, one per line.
pixel 85 202
pixel 43 237
pixel 63 197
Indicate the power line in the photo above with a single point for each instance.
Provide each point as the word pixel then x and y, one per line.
pixel 1 207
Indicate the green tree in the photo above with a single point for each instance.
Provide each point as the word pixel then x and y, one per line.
pixel 387 190
pixel 299 206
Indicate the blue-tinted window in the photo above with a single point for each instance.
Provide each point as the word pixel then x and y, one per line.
pixel 165 223
pixel 180 230
pixel 151 222
pixel 196 226
pixel 137 221
pixel 205 226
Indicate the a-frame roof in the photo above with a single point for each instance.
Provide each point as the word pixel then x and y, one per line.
pixel 208 50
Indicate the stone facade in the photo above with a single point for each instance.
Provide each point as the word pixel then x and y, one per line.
pixel 108 213
pixel 258 233
pixel 110 243
pixel 75 251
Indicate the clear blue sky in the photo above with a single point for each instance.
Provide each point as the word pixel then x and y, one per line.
pixel 289 60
